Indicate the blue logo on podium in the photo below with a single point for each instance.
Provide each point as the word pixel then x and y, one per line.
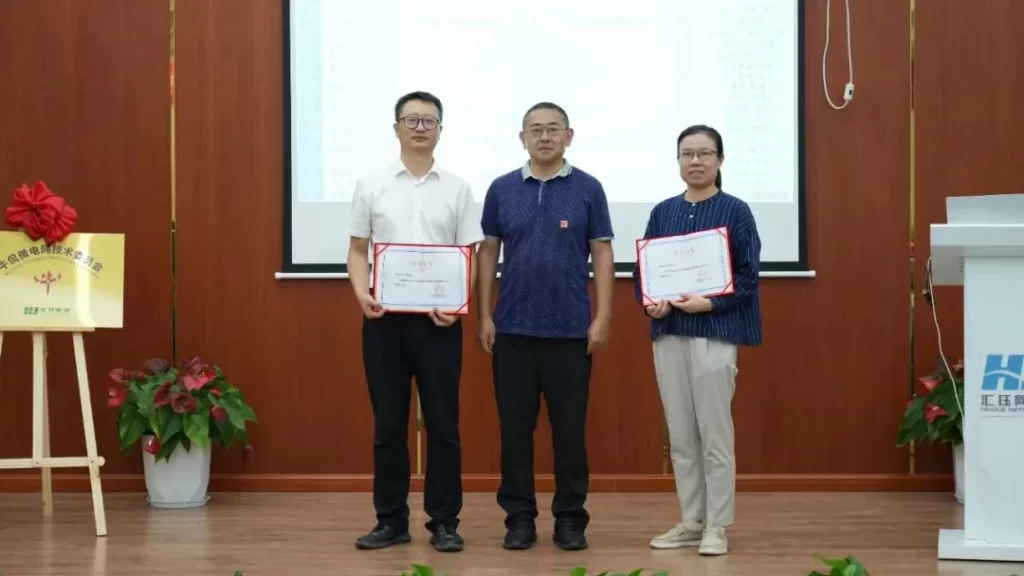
pixel 1002 386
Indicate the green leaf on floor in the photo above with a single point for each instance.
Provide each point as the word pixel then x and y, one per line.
pixel 848 566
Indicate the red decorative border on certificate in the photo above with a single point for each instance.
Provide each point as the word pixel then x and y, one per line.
pixel 467 252
pixel 641 243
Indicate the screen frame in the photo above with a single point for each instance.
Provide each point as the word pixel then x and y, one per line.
pixel 288 266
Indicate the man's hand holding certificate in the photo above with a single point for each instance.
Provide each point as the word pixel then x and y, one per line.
pixel 677 267
pixel 423 279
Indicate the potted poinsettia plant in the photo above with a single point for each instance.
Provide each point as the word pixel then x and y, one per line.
pixel 178 412
pixel 933 415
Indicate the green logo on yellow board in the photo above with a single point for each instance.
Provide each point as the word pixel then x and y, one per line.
pixel 36 310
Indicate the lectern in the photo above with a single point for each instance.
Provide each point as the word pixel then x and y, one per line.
pixel 982 248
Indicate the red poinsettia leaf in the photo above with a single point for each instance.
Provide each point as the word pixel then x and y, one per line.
pixel 183 403
pixel 151 445
pixel 196 381
pixel 932 412
pixel 192 365
pixel 191 383
pixel 116 396
pixel 927 385
pixel 206 376
pixel 219 414
pixel 162 396
pixel 120 375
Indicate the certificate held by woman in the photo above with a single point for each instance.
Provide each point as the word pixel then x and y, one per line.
pixel 675 266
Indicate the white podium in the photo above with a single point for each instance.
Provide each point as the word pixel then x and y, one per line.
pixel 982 248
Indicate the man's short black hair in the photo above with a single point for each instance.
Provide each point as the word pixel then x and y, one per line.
pixel 422 97
pixel 547 106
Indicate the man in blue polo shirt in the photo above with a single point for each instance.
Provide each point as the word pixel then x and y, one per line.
pixel 551 218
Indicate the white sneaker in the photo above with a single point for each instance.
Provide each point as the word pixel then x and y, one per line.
pixel 681 536
pixel 714 542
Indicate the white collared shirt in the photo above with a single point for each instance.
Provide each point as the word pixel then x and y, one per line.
pixel 392 205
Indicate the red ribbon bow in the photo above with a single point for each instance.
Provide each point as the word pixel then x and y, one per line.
pixel 41 214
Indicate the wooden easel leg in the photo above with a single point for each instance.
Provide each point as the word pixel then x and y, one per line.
pixel 90 436
pixel 39 408
pixel 47 471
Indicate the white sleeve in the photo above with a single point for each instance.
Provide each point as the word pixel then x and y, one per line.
pixel 469 231
pixel 362 211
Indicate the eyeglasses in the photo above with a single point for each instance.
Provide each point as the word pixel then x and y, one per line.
pixel 411 122
pixel 704 155
pixel 553 131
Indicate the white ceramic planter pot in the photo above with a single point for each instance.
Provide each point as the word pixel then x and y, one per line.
pixel 179 482
pixel 958 472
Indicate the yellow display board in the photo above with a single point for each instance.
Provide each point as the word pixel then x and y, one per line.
pixel 74 284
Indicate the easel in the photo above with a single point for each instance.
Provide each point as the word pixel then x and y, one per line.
pixel 41 424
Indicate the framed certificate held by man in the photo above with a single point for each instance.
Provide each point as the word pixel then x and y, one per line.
pixel 675 266
pixel 418 278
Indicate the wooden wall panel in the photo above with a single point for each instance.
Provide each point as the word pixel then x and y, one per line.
pixel 293 348
pixel 84 106
pixel 969 76
pixel 836 345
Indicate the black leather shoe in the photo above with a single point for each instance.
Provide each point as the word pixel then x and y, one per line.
pixel 569 535
pixel 521 536
pixel 446 539
pixel 383 536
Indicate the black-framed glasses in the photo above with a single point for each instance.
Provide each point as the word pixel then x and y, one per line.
pixel 412 122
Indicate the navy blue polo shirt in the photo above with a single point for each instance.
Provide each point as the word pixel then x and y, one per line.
pixel 736 317
pixel 546 228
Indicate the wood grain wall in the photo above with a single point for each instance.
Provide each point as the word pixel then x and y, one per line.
pixel 84 107
pixel 970 134
pixel 816 408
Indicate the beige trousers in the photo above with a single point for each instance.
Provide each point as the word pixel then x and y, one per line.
pixel 697 379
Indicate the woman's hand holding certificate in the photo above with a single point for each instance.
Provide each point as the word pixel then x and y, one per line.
pixel 688 303
pixel 423 279
pixel 673 268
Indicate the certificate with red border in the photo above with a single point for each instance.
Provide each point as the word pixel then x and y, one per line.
pixel 418 278
pixel 673 266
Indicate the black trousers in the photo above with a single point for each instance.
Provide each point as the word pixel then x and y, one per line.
pixel 396 349
pixel 524 368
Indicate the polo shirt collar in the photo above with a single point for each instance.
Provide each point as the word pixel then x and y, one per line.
pixel 562 172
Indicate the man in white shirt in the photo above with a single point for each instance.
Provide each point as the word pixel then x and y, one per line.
pixel 412 201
